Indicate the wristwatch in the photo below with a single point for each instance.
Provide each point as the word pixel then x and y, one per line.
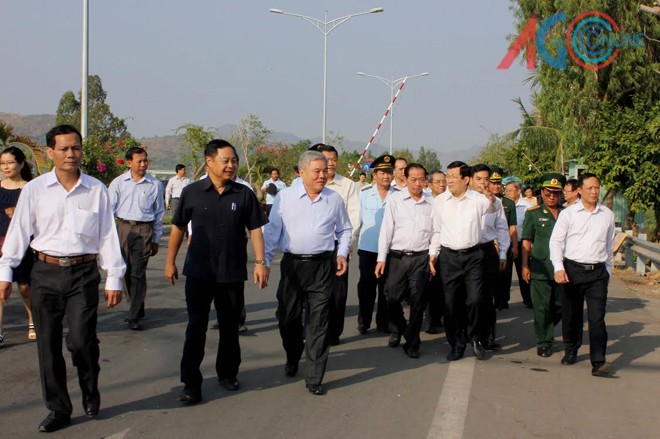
pixel 260 262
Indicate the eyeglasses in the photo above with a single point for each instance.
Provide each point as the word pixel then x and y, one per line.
pixel 7 163
pixel 551 194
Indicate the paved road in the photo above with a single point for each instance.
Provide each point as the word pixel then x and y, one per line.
pixel 373 391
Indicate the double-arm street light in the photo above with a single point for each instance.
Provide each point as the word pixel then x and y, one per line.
pixel 326 26
pixel 392 84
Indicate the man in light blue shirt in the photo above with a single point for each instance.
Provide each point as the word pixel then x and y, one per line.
pixel 138 202
pixel 372 208
pixel 303 223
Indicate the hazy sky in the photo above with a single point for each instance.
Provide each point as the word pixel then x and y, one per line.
pixel 165 63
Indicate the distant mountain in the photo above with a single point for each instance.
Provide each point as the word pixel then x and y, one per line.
pixel 164 150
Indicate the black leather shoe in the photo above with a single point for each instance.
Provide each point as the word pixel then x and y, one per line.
pixel 291 370
pixel 334 341
pixel 54 422
pixel 362 330
pixel 569 358
pixel 504 305
pixel 190 395
pixel 242 329
pixel 134 325
pixel 316 389
pixel 492 346
pixel 434 330
pixel 544 351
pixel 601 370
pixel 394 341
pixel 230 384
pixel 455 354
pixel 411 352
pixel 478 350
pixel 383 329
pixel 91 405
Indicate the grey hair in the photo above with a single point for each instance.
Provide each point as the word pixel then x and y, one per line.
pixel 307 157
pixel 516 184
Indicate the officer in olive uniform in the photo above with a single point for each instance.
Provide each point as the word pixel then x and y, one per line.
pixel 502 288
pixel 537 268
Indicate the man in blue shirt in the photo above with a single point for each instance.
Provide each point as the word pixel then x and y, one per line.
pixel 303 223
pixel 372 208
pixel 138 202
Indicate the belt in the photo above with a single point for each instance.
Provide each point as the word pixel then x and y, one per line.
pixel 463 251
pixel 487 244
pixel 66 261
pixel 586 267
pixel 316 257
pixel 134 223
pixel 401 253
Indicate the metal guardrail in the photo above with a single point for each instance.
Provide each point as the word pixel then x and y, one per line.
pixel 648 253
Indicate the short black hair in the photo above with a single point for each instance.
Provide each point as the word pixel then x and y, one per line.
pixel 585 176
pixel 274 169
pixel 214 145
pixel 414 166
pixel 363 173
pixel 135 150
pixel 179 167
pixel 466 171
pixel 322 147
pixel 479 168
pixel 573 183
pixel 59 130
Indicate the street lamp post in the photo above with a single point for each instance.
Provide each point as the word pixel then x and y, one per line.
pixel 85 68
pixel 326 26
pixel 392 84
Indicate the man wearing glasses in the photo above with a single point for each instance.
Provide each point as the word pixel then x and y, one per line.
pixel 537 268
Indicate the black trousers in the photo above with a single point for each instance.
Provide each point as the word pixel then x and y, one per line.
pixel 524 286
pixel 229 301
pixel 503 282
pixel 592 286
pixel 436 299
pixel 463 278
pixel 406 279
pixel 368 288
pixel 135 242
pixel 337 310
pixel 491 267
pixel 72 292
pixel 308 285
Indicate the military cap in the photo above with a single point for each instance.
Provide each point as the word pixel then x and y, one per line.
pixel 553 181
pixel 383 163
pixel 496 173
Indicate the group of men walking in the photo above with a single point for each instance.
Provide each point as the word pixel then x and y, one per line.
pixel 442 253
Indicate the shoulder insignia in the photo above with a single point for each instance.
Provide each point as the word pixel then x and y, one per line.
pixel 529 209
pixel 366 187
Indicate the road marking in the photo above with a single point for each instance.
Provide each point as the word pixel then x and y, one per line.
pixel 451 411
pixel 119 435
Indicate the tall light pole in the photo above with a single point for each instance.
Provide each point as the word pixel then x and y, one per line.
pixel 392 84
pixel 326 26
pixel 85 69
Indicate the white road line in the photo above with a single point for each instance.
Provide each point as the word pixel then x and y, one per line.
pixel 451 411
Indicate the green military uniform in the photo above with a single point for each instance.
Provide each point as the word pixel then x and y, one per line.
pixel 502 291
pixel 537 228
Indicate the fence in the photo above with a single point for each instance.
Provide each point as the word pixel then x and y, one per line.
pixel 648 253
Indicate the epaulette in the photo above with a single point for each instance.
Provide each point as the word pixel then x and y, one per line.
pixel 367 187
pixel 529 209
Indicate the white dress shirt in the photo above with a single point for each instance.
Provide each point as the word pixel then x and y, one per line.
pixel 521 208
pixel 407 224
pixel 583 236
pixel 64 224
pixel 174 187
pixel 279 184
pixel 495 227
pixel 457 223
pixel 297 224
pixel 349 192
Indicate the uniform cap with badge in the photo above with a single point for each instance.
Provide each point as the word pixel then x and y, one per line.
pixel 496 174
pixel 553 181
pixel 383 163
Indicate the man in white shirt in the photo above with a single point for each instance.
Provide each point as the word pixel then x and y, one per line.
pixel 267 189
pixel 174 187
pixel 400 165
pixel 348 190
pixel 513 191
pixel 69 216
pixel 438 185
pixel 581 251
pixel 458 217
pixel 403 243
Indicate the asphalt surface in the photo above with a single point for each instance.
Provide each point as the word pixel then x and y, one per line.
pixel 372 391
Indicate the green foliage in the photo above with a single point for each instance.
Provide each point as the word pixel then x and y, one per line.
pixel 103 126
pixel 108 161
pixel 195 139
pixel 249 135
pixel 405 153
pixel 428 159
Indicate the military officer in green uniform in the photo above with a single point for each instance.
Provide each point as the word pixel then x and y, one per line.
pixel 537 268
pixel 502 292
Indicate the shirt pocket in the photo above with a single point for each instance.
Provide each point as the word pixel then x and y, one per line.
pixel 87 224
pixel 146 201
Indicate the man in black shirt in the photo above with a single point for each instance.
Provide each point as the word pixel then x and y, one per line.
pixel 215 268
